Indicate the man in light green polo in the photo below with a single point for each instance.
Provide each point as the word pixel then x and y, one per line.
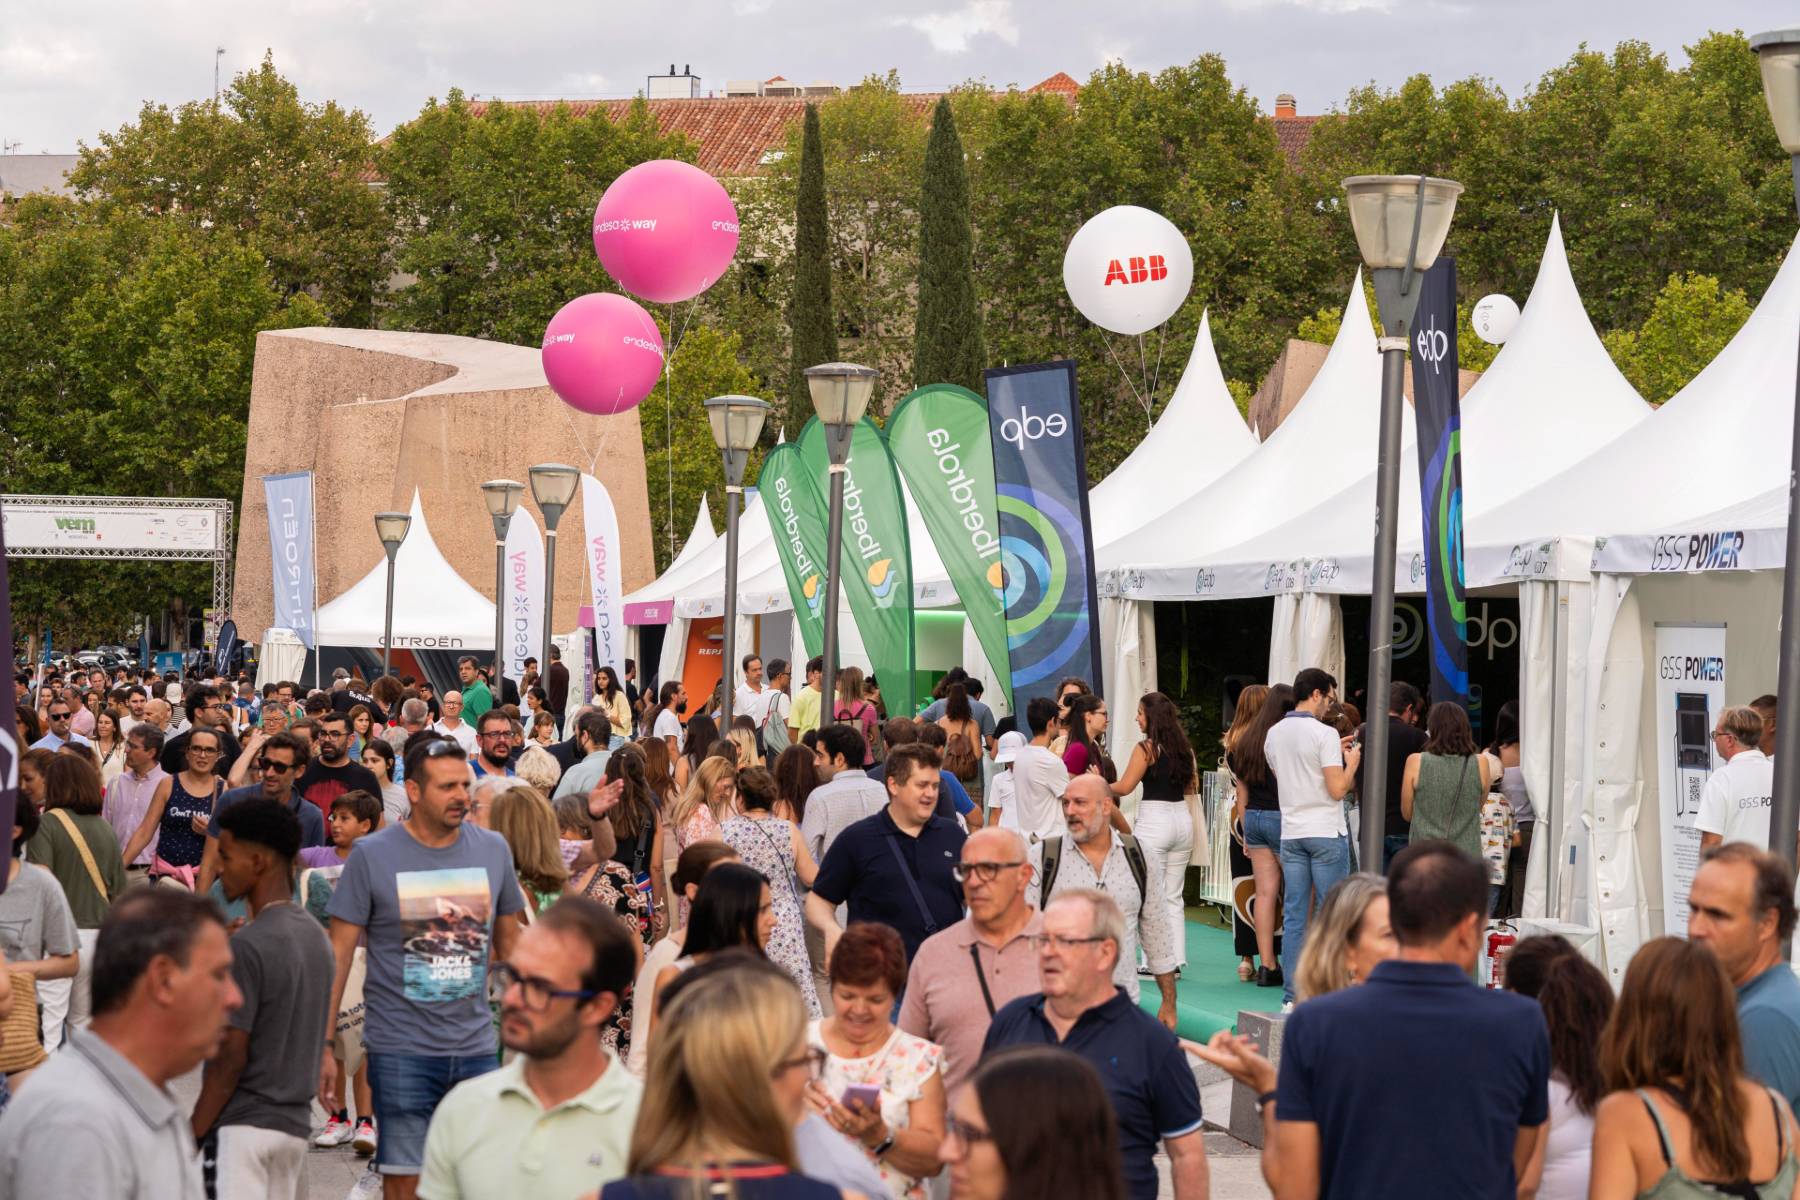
pixel 476 696
pixel 556 1121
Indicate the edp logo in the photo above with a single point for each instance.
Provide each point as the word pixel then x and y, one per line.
pixel 1027 428
pixel 1432 344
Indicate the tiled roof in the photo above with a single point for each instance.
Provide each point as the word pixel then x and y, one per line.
pixel 1061 83
pixel 1292 133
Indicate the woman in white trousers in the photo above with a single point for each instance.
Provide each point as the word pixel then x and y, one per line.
pixel 1163 762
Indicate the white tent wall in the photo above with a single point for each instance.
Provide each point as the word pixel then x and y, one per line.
pixel 975 661
pixel 1307 631
pixel 1128 638
pixel 1622 744
pixel 1554 619
pixel 674 651
pixel 281 657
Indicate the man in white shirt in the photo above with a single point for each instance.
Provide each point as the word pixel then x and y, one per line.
pixel 668 716
pixel 750 697
pixel 1001 788
pixel 453 726
pixel 1039 777
pixel 778 709
pixel 1734 805
pixel 1315 771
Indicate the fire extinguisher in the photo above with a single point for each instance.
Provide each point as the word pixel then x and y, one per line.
pixel 1499 941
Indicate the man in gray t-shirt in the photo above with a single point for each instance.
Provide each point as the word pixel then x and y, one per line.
pixel 438 900
pixel 256 1096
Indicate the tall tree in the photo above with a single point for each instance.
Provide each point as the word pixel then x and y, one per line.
pixel 947 344
pixel 687 466
pixel 289 178
pixel 814 331
pixel 1689 323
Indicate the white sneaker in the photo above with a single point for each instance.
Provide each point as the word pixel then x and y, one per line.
pixel 337 1131
pixel 368 1185
pixel 364 1142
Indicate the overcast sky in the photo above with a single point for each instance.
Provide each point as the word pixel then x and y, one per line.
pixel 68 72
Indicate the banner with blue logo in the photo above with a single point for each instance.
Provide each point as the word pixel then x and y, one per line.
pixel 1437 408
pixel 1046 539
pixel 290 500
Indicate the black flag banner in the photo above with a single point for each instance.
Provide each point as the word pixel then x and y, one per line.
pixel 1437 407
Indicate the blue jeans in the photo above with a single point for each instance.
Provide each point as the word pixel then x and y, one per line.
pixel 1310 867
pixel 1391 845
pixel 406 1089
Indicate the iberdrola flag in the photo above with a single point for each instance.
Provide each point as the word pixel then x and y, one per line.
pixel 876 562
pixel 797 518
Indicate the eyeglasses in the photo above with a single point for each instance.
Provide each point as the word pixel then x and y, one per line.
pixel 202 749
pixel 537 992
pixel 1040 941
pixel 965 1133
pixel 987 872
pixel 813 1060
pixel 265 765
pixel 1719 733
pixel 60 716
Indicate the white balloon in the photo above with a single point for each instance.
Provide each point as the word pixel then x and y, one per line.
pixel 1128 269
pixel 1493 318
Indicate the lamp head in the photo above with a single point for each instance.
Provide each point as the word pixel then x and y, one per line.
pixel 391 528
pixel 736 421
pixel 1382 212
pixel 1778 53
pixel 502 497
pixel 553 487
pixel 840 392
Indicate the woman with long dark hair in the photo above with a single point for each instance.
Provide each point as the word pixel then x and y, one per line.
pixel 1683 1119
pixel 1577 1001
pixel 638 827
pixel 1086 727
pixel 796 775
pixel 963 743
pixel 612 700
pixel 1163 762
pixel 1034 1121
pixel 702 732
pixel 774 847
pixel 1259 800
pixel 733 907
pixel 1445 783
pixel 659 769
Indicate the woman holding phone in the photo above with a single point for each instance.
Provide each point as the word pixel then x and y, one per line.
pixel 881 1087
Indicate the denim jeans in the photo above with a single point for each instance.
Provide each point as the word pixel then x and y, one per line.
pixel 1310 867
pixel 407 1089
pixel 1391 845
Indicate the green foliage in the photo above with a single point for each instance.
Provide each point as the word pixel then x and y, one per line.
pixel 1690 322
pixel 809 311
pixel 285 177
pixel 131 339
pixel 493 213
pixel 947 342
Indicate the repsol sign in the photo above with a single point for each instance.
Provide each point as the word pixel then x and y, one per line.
pixel 1697 551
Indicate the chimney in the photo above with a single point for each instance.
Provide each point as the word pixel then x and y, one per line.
pixel 1284 106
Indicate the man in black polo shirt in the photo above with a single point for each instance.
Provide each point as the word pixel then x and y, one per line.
pixel 1081 1009
pixel 1405 739
pixel 896 866
pixel 1458 1074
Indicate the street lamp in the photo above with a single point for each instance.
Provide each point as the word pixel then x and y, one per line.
pixel 1779 55
pixel 502 496
pixel 737 422
pixel 391 528
pixel 1400 222
pixel 840 396
pixel 553 487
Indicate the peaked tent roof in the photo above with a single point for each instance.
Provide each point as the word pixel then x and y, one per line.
pixel 699 537
pixel 1551 397
pixel 1323 446
pixel 1716 446
pixel 434 607
pixel 707 565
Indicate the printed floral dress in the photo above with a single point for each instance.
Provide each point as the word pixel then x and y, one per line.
pixel 767 845
pixel 613 886
pixel 901 1068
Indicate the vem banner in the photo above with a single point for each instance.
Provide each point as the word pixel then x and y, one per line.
pixel 1438 411
pixel 939 439
pixel 290 501
pixel 876 561
pixel 605 568
pixel 523 632
pixel 1040 474
pixel 797 517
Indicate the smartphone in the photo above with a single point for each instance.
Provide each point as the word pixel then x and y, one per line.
pixel 866 1094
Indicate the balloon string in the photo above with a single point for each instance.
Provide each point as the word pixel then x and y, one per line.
pixel 1126 375
pixel 1162 337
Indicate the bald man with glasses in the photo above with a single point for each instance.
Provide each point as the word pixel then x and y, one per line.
pixel 277 770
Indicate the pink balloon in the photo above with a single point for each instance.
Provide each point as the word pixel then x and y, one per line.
pixel 602 353
pixel 665 230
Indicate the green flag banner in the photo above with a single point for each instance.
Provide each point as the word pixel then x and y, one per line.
pixel 797 516
pixel 938 437
pixel 876 565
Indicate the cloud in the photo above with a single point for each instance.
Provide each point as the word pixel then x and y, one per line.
pixel 951 32
pixel 51 60
pixel 1328 7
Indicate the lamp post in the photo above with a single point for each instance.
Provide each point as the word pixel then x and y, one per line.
pixel 553 487
pixel 391 528
pixel 1400 222
pixel 502 496
pixel 1778 53
pixel 737 422
pixel 840 396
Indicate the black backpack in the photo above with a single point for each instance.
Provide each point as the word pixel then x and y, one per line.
pixel 1134 858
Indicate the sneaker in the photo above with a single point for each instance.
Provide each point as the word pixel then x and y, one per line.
pixel 364 1142
pixel 1268 977
pixel 335 1133
pixel 367 1187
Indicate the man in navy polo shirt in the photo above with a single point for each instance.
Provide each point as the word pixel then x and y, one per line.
pixel 1417 1082
pixel 1081 1009
pixel 897 865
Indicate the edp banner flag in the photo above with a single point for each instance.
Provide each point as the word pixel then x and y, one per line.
pixel 605 563
pixel 876 560
pixel 797 518
pixel 9 722
pixel 1437 408
pixel 524 628
pixel 1690 693
pixel 1040 473
pixel 939 438
pixel 290 501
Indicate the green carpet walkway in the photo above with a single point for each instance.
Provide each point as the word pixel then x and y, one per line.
pixel 1209 995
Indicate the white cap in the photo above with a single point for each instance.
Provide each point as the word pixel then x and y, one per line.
pixel 1011 742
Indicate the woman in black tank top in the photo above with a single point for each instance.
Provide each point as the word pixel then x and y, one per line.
pixel 1164 764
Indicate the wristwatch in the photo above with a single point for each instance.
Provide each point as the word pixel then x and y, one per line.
pixel 886 1144
pixel 1264 1100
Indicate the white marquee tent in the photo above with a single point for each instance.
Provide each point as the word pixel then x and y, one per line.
pixel 434 607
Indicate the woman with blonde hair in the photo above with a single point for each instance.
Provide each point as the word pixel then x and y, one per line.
pixel 853 708
pixel 726 1085
pixel 743 735
pixel 538 767
pixel 704 805
pixel 1346 937
pixel 522 816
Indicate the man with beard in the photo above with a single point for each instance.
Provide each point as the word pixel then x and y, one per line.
pixel 557 1119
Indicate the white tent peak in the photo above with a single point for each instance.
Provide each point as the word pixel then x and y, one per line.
pixel 1349 378
pixel 433 604
pixel 1357 324
pixel 698 538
